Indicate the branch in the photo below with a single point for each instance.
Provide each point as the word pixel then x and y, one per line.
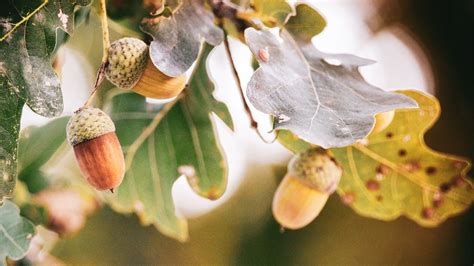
pixel 133 148
pixel 105 49
pixel 253 122
pixel 25 19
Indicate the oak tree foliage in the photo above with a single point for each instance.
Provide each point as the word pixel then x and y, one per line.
pixel 314 98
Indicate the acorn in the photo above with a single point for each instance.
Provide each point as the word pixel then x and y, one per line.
pixel 312 177
pixel 129 67
pixel 382 121
pixel 97 149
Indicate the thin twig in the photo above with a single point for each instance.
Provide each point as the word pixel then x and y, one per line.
pixel 105 30
pixel 25 19
pixel 105 49
pixel 253 122
pixel 133 148
pixel 91 96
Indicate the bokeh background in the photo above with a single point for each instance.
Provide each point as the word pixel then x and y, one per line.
pixel 422 44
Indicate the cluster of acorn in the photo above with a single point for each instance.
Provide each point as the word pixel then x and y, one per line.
pixel 92 132
pixel 312 175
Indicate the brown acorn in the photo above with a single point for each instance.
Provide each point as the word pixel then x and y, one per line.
pixel 130 67
pixel 312 177
pixel 98 152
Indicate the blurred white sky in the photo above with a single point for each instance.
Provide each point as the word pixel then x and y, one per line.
pixel 400 65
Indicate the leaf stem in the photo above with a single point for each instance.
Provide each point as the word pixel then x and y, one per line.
pixel 253 122
pixel 105 49
pixel 237 80
pixel 25 19
pixel 105 30
pixel 147 131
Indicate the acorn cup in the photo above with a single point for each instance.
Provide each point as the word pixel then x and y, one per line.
pixel 130 67
pixel 98 152
pixel 312 177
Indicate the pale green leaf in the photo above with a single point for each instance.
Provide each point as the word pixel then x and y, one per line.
pixel 186 137
pixel 306 24
pixel 16 232
pixel 10 115
pixel 272 12
pixel 202 89
pixel 36 146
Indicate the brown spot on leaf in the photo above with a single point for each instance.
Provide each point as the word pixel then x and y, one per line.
pixel 382 169
pixel 379 198
pixel 438 202
pixel 459 164
pixel 412 166
pixel 445 187
pixel 372 185
pixel 213 193
pixel 457 181
pixel 427 213
pixel 348 198
pixel 389 135
pixel 430 170
pixel 402 152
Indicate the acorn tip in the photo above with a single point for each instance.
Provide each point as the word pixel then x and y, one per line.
pixel 282 229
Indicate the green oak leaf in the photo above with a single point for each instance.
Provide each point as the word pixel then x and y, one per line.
pixel 394 173
pixel 177 39
pixel 10 115
pixel 26 73
pixel 321 97
pixel 306 24
pixel 16 232
pixel 27 51
pixel 202 88
pixel 272 13
pixel 184 142
pixel 36 146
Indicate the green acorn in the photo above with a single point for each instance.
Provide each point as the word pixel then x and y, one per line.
pixel 97 149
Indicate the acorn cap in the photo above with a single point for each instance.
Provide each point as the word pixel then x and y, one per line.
pixel 126 61
pixel 317 169
pixel 88 123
